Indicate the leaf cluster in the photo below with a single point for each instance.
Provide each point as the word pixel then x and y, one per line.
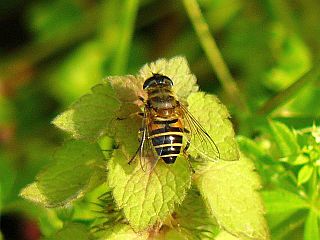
pixel 287 160
pixel 158 203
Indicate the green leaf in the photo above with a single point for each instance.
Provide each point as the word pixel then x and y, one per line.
pixel 184 82
pixel 311 228
pixel 77 168
pixel 71 231
pixel 173 234
pixel 305 174
pixel 147 197
pixel 92 115
pixel 214 116
pixel 301 159
pixel 223 235
pixel 280 200
pixel 193 218
pixel 251 149
pixel 32 193
pixel 285 139
pixel 121 232
pixel 127 88
pixel 230 192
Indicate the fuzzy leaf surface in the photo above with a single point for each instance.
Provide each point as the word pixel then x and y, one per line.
pixel 230 193
pixel 77 167
pixel 147 197
pixel 92 115
pixel 214 117
pixel 126 88
pixel 223 235
pixel 193 218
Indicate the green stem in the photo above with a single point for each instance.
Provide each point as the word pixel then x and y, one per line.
pixel 213 54
pixel 129 13
pixel 284 96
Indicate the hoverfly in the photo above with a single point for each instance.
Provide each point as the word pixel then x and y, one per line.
pixel 166 122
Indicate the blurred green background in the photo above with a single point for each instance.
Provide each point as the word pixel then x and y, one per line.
pixel 52 52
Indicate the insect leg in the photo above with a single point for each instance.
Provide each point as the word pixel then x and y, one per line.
pixel 140 114
pixel 140 146
pixel 135 154
pixel 187 156
pixel 186 130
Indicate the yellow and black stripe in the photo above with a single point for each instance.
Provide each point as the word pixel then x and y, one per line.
pixel 167 139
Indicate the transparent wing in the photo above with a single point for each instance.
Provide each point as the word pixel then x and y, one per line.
pixel 146 152
pixel 198 138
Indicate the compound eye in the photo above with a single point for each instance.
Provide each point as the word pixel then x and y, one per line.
pixel 149 82
pixel 169 82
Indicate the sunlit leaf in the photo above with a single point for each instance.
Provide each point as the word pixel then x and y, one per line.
pixel 305 174
pixel 301 159
pixel 223 235
pixel 92 115
pixel 147 197
pixel 193 218
pixel 230 190
pixel 77 167
pixel 214 117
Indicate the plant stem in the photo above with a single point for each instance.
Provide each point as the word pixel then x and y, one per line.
pixel 284 96
pixel 129 13
pixel 213 54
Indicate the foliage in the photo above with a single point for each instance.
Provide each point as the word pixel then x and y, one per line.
pixel 259 57
pixel 147 199
pixel 292 175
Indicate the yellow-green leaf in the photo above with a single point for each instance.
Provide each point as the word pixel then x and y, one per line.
pixel 147 197
pixel 305 174
pixel 77 167
pixel 230 190
pixel 92 115
pixel 214 117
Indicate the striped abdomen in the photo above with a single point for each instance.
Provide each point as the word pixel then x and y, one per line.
pixel 167 139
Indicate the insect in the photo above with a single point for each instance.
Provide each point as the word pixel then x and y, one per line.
pixel 166 122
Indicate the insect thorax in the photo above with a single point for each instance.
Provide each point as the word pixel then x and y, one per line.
pixel 161 100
